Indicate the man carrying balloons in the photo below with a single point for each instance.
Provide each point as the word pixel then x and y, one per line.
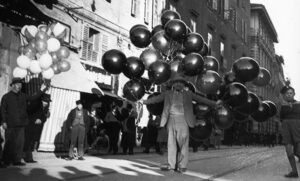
pixel 178 116
pixel 290 114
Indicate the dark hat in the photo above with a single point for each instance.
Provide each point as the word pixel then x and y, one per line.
pixel 46 97
pixel 178 78
pixel 16 80
pixel 78 102
pixel 285 89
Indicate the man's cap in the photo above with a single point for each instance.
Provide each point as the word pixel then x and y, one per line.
pixel 284 89
pixel 16 80
pixel 78 102
pixel 178 78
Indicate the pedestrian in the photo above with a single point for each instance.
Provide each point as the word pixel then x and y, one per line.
pixel 37 117
pixel 178 116
pixel 15 119
pixel 150 135
pixel 78 122
pixel 290 115
pixel 113 127
pixel 128 130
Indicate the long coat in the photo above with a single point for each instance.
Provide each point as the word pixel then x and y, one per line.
pixel 188 97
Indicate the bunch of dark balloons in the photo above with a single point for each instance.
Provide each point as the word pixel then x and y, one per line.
pixel 171 48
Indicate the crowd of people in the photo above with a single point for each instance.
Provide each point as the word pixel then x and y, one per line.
pixel 23 117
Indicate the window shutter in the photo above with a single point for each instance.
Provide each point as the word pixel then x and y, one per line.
pixel 96 47
pixel 104 43
pixel 133 8
pixel 215 4
pixel 146 11
pixel 85 38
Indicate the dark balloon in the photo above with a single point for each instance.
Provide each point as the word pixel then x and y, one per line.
pixel 273 108
pixel 204 50
pixel 149 56
pixel 113 61
pixel 251 104
pixel 263 77
pixel 223 117
pixel 245 69
pixel 236 94
pixel 41 35
pixel 134 90
pixel 63 52
pixel 55 58
pixel 140 37
pixel 192 64
pixel 202 131
pixel 55 68
pixel 201 110
pixel 41 45
pixel 160 42
pixel 209 82
pixel 64 66
pixel 176 29
pixel 169 15
pixel 21 50
pixel 193 42
pixel 157 108
pixel 156 29
pixel 221 91
pixel 137 26
pixel 133 68
pixel 159 72
pixel 211 63
pixel 147 83
pixel 29 51
pixel 262 113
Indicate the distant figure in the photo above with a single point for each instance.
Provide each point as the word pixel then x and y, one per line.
pixel 78 121
pixel 129 130
pixel 290 114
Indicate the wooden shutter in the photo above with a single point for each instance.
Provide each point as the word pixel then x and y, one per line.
pixel 133 8
pixel 85 38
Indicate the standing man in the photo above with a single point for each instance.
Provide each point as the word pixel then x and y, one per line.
pixel 290 115
pixel 37 117
pixel 78 122
pixel 178 116
pixel 14 120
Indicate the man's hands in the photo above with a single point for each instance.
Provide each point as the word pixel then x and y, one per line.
pixel 38 121
pixel 4 125
pixel 219 103
pixel 45 86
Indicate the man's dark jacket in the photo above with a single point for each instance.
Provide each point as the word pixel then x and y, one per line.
pixel 14 108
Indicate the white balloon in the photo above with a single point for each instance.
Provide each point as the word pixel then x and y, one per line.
pixel 23 61
pixel 58 29
pixel 19 72
pixel 23 29
pixel 35 67
pixel 53 44
pixel 32 30
pixel 45 61
pixel 48 74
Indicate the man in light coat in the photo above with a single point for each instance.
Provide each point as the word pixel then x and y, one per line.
pixel 178 116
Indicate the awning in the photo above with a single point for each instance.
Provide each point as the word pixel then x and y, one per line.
pixel 76 78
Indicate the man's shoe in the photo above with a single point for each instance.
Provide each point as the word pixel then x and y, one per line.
pixel 181 170
pixel 69 158
pixel 30 161
pixel 80 158
pixel 166 168
pixel 291 175
pixel 19 164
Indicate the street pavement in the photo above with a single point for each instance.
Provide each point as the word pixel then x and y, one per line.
pixel 235 163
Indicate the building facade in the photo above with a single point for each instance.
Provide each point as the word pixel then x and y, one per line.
pixel 263 36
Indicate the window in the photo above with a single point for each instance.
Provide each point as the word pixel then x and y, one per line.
pixel 213 4
pixel 134 8
pixel 245 31
pixel 193 22
pixel 146 11
pixel 92 50
pixel 209 42
pixel 172 7
pixel 242 29
pixel 223 62
pixel 226 11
